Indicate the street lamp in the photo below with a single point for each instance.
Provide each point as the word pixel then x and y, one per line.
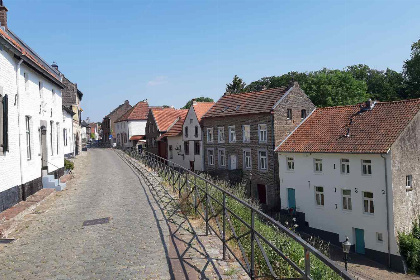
pixel 346 250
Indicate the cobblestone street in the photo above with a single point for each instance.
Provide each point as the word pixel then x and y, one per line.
pixel 52 243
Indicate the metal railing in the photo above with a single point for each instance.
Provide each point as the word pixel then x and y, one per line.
pixel 262 246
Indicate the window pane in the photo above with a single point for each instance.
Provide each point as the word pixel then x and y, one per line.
pixel 372 209
pixel 366 206
pixel 349 203
pixel 344 203
pixel 322 199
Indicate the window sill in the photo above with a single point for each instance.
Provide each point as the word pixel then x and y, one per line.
pixel 320 206
pixel 369 214
pixel 290 171
pixel 408 189
pixel 318 173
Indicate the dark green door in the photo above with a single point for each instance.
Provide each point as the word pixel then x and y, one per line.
pixel 360 240
pixel 291 198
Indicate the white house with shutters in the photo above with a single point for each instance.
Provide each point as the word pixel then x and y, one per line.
pixel 353 171
pixel 68 138
pixel 31 120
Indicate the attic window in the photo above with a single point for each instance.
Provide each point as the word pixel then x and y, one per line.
pixel 237 107
pixel 224 109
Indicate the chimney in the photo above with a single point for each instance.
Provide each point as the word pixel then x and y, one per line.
pixel 54 65
pixel 126 102
pixel 194 102
pixel 3 15
pixel 369 104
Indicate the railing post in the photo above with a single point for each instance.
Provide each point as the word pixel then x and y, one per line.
pixel 307 264
pixel 195 194
pixel 224 226
pixel 252 270
pixel 179 185
pixel 187 184
pixel 207 208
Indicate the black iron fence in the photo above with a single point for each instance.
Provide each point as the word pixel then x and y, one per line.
pixel 262 246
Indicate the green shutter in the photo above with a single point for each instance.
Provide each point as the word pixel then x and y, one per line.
pixel 5 124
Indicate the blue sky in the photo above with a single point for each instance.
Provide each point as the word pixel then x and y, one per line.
pixel 171 51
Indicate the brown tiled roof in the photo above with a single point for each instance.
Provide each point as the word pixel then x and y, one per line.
pixel 350 129
pixel 28 53
pixel 137 137
pixel 175 129
pixel 137 112
pixel 201 108
pixel 246 103
pixel 166 117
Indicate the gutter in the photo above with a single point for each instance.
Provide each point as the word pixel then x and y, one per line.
pixel 19 118
pixel 387 212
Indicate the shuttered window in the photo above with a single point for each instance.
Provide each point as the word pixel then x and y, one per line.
pixel 4 139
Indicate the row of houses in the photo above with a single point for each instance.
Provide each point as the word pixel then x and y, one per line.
pixel 40 119
pixel 346 171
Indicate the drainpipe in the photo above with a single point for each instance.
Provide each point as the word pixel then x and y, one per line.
pixel 387 212
pixel 19 118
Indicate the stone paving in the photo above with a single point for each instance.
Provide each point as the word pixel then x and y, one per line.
pixel 53 244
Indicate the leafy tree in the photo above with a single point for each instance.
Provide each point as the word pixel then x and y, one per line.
pixel 165 106
pixel 411 72
pixel 236 86
pixel 334 87
pixel 198 99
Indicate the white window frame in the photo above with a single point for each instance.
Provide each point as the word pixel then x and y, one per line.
pixel 379 237
pixel 368 169
pixel 290 163
pixel 232 136
pixel 347 199
pixel 221 134
pixel 210 135
pixel 210 156
pixel 318 168
pixel 247 159
pixel 370 202
pixel 344 166
pixel 222 159
pixel 244 134
pixel 262 133
pixel 28 137
pixel 261 166
pixel 321 195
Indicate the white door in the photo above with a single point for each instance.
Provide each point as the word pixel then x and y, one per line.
pixel 232 162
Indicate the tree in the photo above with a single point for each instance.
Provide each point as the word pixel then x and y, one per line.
pixel 334 87
pixel 411 72
pixel 236 86
pixel 198 99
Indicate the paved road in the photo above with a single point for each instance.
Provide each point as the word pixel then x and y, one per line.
pixel 57 246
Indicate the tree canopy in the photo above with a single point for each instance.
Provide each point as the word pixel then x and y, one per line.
pixel 198 99
pixel 236 86
pixel 411 72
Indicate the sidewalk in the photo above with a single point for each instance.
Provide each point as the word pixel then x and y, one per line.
pixel 10 217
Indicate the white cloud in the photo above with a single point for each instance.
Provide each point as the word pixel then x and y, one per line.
pixel 159 80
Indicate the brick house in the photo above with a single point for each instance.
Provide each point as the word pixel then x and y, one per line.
pixel 241 132
pixel 159 121
pixel 108 122
pixel 353 171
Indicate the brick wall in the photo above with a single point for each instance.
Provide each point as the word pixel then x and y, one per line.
pixel 152 132
pixel 116 114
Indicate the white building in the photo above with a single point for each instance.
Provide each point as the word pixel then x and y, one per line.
pixel 192 150
pixel 353 171
pixel 130 128
pixel 31 119
pixel 68 138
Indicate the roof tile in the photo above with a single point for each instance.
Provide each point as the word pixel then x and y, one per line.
pixel 137 112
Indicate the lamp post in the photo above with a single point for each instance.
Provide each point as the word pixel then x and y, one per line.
pixel 346 251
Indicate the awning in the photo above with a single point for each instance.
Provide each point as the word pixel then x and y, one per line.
pixel 137 137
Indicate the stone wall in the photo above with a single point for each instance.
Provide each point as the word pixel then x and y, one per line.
pixel 406 161
pixel 152 132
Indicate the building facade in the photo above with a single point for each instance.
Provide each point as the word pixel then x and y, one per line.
pixel 240 134
pixel 130 128
pixel 352 171
pixel 68 137
pixel 108 123
pixel 31 119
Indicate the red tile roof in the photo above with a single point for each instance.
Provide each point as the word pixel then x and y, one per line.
pixel 137 137
pixel 137 112
pixel 166 117
pixel 176 129
pixel 246 103
pixel 201 108
pixel 369 131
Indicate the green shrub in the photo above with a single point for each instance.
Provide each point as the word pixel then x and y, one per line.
pixel 410 247
pixel 68 165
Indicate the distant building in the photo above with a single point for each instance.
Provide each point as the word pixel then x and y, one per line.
pixel 130 128
pixel 31 119
pixel 108 123
pixel 159 121
pixel 354 171
pixel 241 132
pixel 68 138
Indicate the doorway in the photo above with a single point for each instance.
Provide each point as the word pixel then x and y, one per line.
pixel 360 240
pixel 291 198
pixel 233 162
pixel 43 146
pixel 262 193
pixel 192 166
